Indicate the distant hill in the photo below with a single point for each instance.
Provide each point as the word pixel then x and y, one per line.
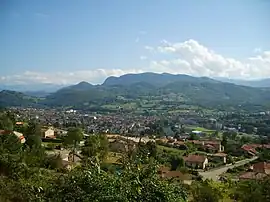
pixel 252 83
pixel 194 90
pixel 79 94
pixel 80 86
pixel 40 94
pixel 154 79
pixel 13 98
pixel 219 92
pixel 48 88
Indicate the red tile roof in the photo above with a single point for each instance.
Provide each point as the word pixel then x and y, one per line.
pixel 220 154
pixel 209 146
pixel 195 158
pixel 179 143
pixel 172 174
pixel 195 141
pixel 164 169
pixel 5 132
pixel 212 142
pixel 255 145
pixel 261 167
pixel 252 176
pixel 248 148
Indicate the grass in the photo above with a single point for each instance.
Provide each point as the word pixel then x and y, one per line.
pixel 109 106
pixel 200 153
pixel 170 149
pixel 203 130
pixel 131 105
pixel 113 158
pixel 45 144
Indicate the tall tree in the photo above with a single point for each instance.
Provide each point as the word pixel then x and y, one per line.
pixel 5 123
pixel 207 191
pixel 73 138
pixel 96 146
pixel 33 135
pixel 176 162
pixel 10 143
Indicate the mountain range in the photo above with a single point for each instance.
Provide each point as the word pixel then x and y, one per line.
pixel 252 83
pixel 45 89
pixel 193 90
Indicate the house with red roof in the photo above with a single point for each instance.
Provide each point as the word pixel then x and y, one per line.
pixel 166 173
pixel 259 171
pixel 261 167
pixel 249 150
pixel 8 132
pixel 252 176
pixel 220 157
pixel 196 161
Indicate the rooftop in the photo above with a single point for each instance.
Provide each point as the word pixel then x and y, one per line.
pixel 195 158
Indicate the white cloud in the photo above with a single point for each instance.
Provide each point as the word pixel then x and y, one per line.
pixel 92 76
pixel 143 57
pixel 198 60
pixel 257 50
pixel 188 57
pixel 149 48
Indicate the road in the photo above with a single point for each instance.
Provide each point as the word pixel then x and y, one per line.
pixel 215 173
pixel 63 153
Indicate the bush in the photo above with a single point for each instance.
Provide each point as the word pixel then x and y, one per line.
pixel 50 146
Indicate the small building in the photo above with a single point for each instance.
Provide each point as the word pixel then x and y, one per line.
pixel 196 161
pixel 249 150
pixel 262 167
pixel 19 135
pixel 166 173
pixel 252 176
pixel 220 157
pixel 214 145
pixel 48 133
pixel 117 145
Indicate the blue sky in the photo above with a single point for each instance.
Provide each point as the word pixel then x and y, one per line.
pixel 65 41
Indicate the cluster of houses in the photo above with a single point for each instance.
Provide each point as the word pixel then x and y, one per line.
pixel 257 171
pixel 19 135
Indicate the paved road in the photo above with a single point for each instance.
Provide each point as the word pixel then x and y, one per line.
pixel 215 173
pixel 64 153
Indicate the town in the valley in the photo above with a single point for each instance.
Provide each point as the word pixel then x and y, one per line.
pixel 208 146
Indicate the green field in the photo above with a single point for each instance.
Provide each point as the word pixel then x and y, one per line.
pixel 170 149
pixel 113 158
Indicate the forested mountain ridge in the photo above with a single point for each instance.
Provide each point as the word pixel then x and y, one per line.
pixel 195 90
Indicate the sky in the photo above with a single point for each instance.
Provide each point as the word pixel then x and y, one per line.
pixel 67 41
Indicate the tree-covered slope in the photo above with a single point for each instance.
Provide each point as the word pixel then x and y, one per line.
pixel 194 90
pixel 13 98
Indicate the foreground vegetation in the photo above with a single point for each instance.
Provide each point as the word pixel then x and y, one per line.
pixel 28 173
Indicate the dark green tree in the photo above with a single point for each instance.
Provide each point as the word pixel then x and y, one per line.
pixel 96 146
pixel 176 162
pixel 10 143
pixel 5 123
pixel 73 138
pixel 204 191
pixel 33 135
